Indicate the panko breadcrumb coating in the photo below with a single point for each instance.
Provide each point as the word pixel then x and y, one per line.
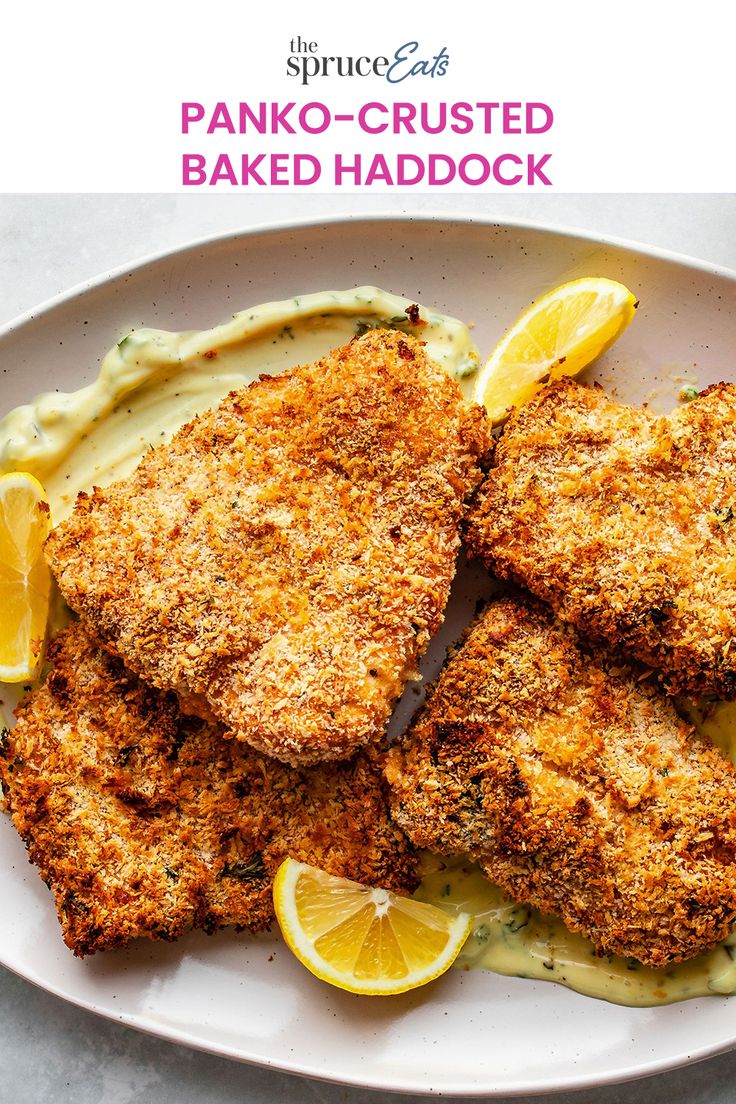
pixel 625 523
pixel 145 822
pixel 575 786
pixel 284 561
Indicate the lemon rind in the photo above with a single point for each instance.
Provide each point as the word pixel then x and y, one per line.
pixel 624 304
pixel 23 672
pixel 283 891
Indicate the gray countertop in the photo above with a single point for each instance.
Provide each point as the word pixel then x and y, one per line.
pixel 55 1052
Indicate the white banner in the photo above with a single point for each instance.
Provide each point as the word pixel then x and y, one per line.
pixel 471 98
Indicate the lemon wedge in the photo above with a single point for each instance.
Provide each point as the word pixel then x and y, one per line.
pixel 559 335
pixel 364 940
pixel 25 520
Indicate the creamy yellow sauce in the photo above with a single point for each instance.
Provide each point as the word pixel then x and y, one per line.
pixel 718 723
pixel 519 941
pixel 153 381
pixel 150 384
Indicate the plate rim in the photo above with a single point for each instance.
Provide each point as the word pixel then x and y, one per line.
pixel 279 226
pixel 571 1081
pixel 532 1087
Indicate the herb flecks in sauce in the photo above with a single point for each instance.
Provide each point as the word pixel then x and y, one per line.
pixel 518 941
pixel 74 441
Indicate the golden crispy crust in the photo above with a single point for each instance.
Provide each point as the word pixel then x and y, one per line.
pixel 577 789
pixel 144 822
pixel 625 523
pixel 284 561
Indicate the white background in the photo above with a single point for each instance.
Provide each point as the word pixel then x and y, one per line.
pixel 642 92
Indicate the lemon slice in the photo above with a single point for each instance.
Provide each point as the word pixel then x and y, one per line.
pixel 559 335
pixel 364 940
pixel 25 520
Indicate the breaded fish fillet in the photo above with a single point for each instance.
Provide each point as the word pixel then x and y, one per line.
pixel 576 788
pixel 284 561
pixel 625 523
pixel 145 822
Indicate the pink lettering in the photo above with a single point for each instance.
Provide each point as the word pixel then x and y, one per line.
pixel 435 159
pixel 497 173
pixel 190 113
pixel 376 128
pixel 538 128
pixel 324 117
pixel 343 168
pixel 535 167
pixel 404 161
pixel 193 169
pixel 464 170
pixel 306 159
pixel 221 120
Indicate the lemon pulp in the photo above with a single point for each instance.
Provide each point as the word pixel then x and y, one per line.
pixel 365 940
pixel 24 577
pixel 559 335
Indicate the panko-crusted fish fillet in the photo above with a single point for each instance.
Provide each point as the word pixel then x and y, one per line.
pixel 625 523
pixel 284 561
pixel 145 822
pixel 576 788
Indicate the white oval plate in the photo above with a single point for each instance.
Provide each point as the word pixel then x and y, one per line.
pixel 243 996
